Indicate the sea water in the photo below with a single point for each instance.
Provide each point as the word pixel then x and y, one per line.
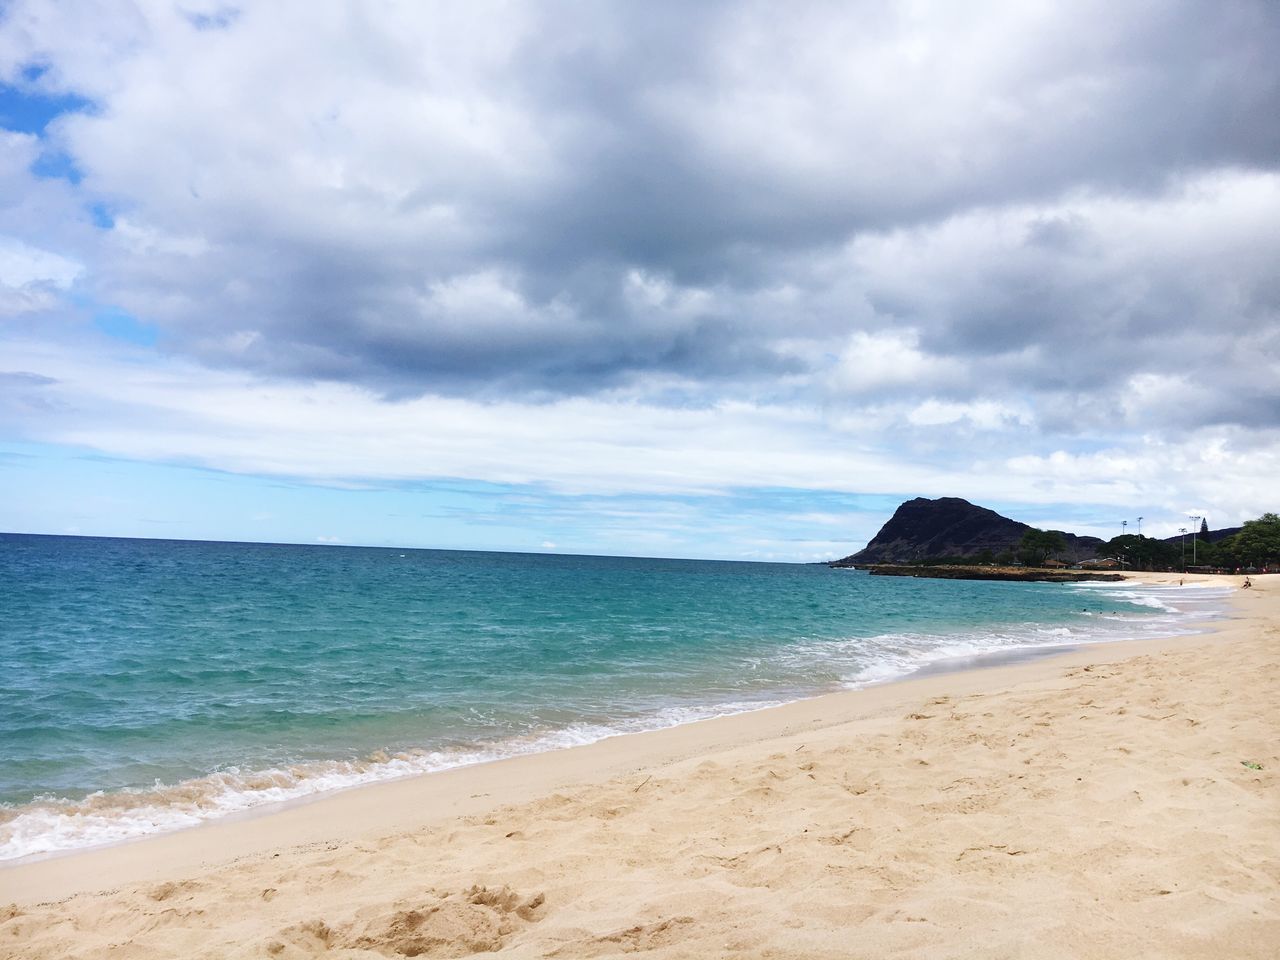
pixel 148 685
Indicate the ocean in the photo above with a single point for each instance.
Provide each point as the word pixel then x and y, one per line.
pixel 149 685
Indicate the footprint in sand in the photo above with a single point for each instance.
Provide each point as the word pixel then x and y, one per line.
pixel 476 920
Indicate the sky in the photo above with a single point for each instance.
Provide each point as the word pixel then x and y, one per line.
pixel 719 280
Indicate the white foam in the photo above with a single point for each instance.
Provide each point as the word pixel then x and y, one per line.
pixel 52 825
pixel 901 655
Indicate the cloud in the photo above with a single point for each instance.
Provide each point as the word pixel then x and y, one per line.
pixel 873 362
pixel 114 401
pixel 22 265
pixel 926 248
pixel 1168 475
pixel 474 200
pixel 1072 301
pixel 984 415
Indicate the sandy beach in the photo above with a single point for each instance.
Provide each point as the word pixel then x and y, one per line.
pixel 1114 801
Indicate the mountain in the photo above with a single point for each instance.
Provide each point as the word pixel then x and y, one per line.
pixel 951 527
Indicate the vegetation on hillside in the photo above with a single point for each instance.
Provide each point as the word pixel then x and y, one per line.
pixel 1256 545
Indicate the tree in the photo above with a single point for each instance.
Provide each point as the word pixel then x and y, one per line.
pixel 1038 545
pixel 1226 552
pixel 1141 553
pixel 1206 554
pixel 1204 526
pixel 1258 541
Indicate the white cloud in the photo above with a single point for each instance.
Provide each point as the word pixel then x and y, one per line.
pixel 23 265
pixel 122 405
pixel 145 241
pixel 31 279
pixel 875 361
pixel 1224 470
pixel 982 414
pixel 812 518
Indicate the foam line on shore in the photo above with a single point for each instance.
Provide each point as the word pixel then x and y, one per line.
pixel 50 825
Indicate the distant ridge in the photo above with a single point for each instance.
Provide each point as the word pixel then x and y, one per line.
pixel 950 527
pixel 1213 536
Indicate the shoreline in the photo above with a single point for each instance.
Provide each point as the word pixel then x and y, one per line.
pixel 466 790
pixel 946 665
pixel 960 571
pixel 1115 800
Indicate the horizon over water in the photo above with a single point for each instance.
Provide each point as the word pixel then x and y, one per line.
pixel 333 544
pixel 148 685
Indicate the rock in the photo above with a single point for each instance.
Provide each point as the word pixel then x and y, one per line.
pixel 951 527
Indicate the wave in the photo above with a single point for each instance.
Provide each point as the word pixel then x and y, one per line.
pixel 897 656
pixel 50 825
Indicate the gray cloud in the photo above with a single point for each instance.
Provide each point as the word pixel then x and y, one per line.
pixel 713 200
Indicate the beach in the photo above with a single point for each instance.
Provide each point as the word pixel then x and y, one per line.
pixel 1117 800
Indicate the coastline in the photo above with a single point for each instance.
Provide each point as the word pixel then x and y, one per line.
pixel 376 825
pixel 968 626
pixel 976 572
pixel 930 666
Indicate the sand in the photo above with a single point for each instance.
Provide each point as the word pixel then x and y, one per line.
pixel 1096 804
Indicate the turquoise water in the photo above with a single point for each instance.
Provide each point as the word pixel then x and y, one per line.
pixel 147 685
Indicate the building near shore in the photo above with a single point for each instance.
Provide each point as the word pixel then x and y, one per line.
pixel 1100 563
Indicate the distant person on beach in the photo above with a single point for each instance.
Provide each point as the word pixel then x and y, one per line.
pixel 1247 583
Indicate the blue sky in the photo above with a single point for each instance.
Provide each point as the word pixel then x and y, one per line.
pixel 26 111
pixel 717 283
pixel 191 503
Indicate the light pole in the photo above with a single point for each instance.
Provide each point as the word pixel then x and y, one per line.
pixel 1124 525
pixel 1139 528
pixel 1183 531
pixel 1193 540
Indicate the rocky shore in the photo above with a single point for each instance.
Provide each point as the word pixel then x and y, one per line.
pixel 957 572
